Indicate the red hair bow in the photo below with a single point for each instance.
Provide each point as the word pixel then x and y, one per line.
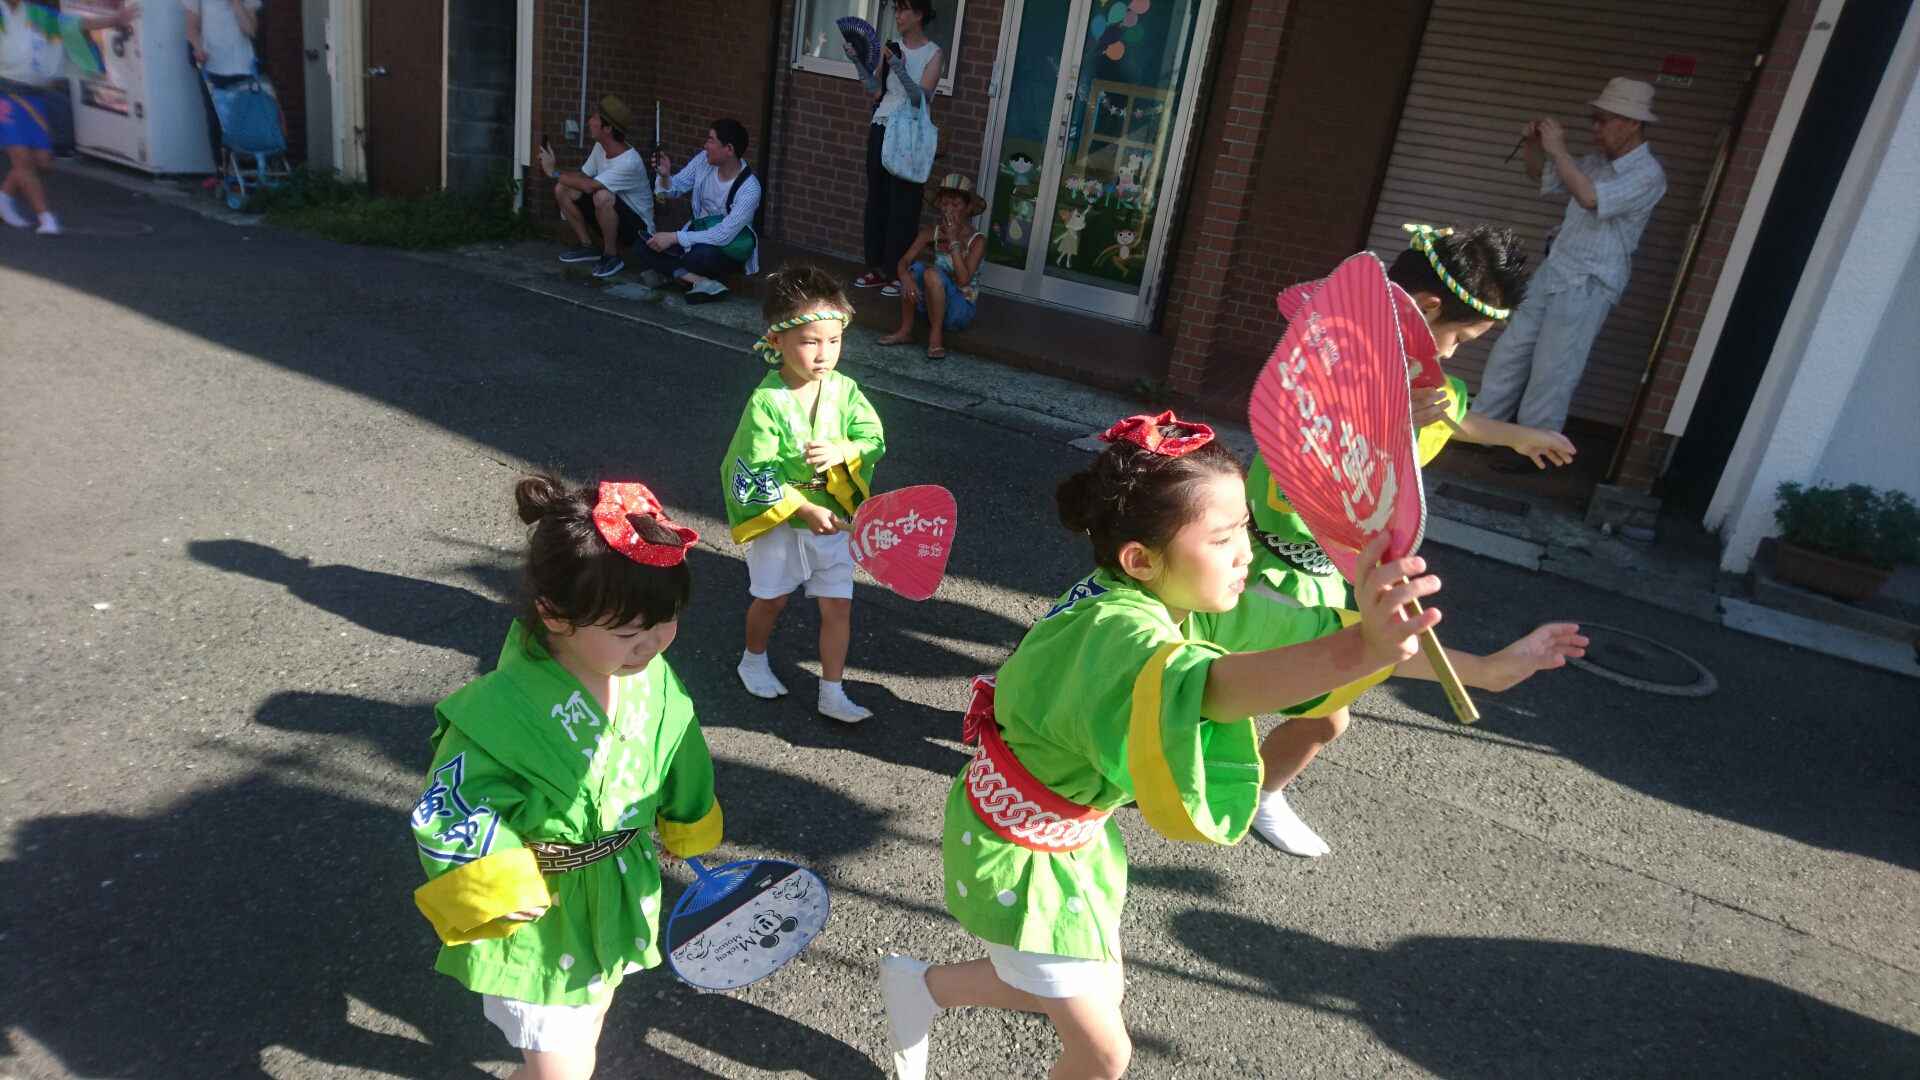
pixel 1144 432
pixel 617 501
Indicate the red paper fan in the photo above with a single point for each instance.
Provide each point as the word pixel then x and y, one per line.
pixel 1416 337
pixel 903 538
pixel 1331 416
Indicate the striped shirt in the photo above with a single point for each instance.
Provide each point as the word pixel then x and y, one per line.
pixel 1599 242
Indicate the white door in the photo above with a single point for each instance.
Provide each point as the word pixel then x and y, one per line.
pixel 1084 148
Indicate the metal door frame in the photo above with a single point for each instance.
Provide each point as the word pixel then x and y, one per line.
pixel 1031 284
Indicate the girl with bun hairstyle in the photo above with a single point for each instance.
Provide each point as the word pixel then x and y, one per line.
pixel 1138 685
pixel 548 772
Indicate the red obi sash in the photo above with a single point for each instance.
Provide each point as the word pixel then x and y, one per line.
pixel 1017 807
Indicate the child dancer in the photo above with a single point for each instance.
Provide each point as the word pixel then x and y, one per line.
pixel 1139 684
pixel 548 771
pixel 804 453
pixel 1463 282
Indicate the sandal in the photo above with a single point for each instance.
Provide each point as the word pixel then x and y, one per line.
pixel 896 339
pixel 936 353
pixel 870 280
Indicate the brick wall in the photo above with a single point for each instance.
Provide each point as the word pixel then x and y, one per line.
pixel 700 60
pixel 283 59
pixel 1647 444
pixel 820 135
pixel 1302 115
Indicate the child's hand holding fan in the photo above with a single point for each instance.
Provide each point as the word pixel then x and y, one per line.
pixel 1331 415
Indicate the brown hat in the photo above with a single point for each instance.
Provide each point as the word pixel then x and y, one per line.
pixel 616 114
pixel 955 184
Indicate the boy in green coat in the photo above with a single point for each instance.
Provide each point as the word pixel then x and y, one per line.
pixel 802 456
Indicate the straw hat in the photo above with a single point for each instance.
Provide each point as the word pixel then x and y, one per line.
pixel 1630 98
pixel 959 185
pixel 615 113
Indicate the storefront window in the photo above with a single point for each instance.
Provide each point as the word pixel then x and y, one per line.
pixel 817 45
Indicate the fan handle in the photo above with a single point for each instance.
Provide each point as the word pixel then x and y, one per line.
pixel 1443 671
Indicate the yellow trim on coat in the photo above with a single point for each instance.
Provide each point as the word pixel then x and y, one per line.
pixel 776 514
pixel 840 485
pixel 1350 693
pixel 1276 500
pixel 1154 787
pixel 851 451
pixel 697 838
pixel 465 903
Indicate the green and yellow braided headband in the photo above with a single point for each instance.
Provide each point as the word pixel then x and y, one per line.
pixel 771 353
pixel 1423 236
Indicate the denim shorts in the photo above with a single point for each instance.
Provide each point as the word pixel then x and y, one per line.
pixel 959 308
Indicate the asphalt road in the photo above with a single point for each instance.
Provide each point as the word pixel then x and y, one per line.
pixel 257 522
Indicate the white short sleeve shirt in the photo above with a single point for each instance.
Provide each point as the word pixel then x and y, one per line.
pixel 229 52
pixel 1599 243
pixel 627 176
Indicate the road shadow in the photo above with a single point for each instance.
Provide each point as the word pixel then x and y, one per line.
pixel 264 917
pixel 1795 743
pixel 1493 1008
pixel 423 612
pixel 398 733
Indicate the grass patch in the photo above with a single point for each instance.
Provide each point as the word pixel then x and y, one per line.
pixel 319 202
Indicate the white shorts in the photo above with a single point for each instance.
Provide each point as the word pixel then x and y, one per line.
pixel 1049 976
pixel 783 558
pixel 543 1027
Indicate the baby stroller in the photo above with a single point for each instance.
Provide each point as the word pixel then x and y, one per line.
pixel 253 137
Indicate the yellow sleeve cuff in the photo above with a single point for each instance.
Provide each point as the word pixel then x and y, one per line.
pixel 1350 693
pixel 775 516
pixel 1154 788
pixel 465 903
pixel 697 838
pixel 1275 500
pixel 1430 440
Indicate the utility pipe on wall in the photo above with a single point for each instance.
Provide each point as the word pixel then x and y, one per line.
pixel 586 27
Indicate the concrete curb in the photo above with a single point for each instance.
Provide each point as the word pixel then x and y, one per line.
pixel 1844 642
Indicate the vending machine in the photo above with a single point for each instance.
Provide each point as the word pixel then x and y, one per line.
pixel 145 110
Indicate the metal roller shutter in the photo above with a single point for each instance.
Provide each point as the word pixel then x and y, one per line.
pixel 1488 66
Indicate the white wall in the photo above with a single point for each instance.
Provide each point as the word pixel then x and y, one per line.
pixel 1877 440
pixel 1847 291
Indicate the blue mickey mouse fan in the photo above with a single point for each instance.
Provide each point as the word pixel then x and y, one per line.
pixel 863 37
pixel 742 922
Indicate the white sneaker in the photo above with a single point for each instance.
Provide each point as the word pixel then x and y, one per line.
pixel 834 703
pixel 758 675
pixel 10 213
pixel 910 1012
pixel 1283 828
pixel 49 225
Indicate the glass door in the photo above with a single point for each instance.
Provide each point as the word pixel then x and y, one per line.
pixel 1095 102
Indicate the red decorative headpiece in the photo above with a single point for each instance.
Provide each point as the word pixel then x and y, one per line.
pixel 1143 431
pixel 610 517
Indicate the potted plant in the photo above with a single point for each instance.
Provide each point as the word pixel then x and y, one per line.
pixel 1845 542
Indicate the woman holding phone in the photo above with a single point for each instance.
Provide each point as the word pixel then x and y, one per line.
pixel 893 205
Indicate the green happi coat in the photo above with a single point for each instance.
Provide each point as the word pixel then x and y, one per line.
pixel 768 455
pixel 1288 564
pixel 526 754
pixel 1101 703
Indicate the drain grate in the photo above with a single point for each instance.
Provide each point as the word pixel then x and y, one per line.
pixel 1499 504
pixel 1642 663
pixel 85 224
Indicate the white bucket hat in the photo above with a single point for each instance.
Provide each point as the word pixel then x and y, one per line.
pixel 1630 98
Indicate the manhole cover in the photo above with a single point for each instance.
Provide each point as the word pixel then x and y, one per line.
pixel 103 225
pixel 1642 663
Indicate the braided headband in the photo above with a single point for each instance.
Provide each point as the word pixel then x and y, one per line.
pixel 1144 432
pixel 1423 236
pixel 771 353
pixel 617 503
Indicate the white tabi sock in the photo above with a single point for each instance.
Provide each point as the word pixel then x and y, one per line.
pixel 49 225
pixel 10 213
pixel 1283 828
pixel 758 676
pixel 834 703
pixel 910 1012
